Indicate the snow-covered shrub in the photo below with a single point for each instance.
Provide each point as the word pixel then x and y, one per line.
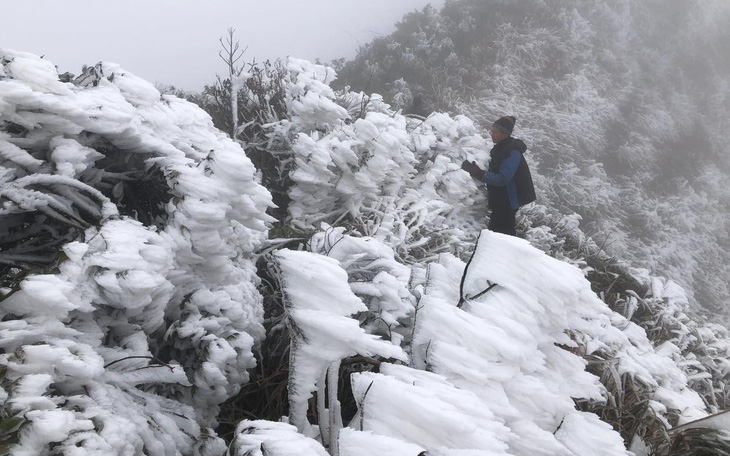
pixel 79 357
pixel 341 179
pixel 521 306
pixel 319 304
pixel 133 336
pixel 662 309
pixel 501 373
pixel 309 98
pixel 375 277
pixel 699 348
pixel 395 178
pixel 498 380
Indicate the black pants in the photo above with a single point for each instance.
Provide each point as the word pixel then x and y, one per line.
pixel 502 220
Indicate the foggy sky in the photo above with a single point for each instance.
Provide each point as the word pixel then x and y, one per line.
pixel 176 41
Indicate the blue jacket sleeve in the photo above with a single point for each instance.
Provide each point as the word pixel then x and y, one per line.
pixel 506 172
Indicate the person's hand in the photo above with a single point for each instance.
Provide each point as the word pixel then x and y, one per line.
pixel 473 169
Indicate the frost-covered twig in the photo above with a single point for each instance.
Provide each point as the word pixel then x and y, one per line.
pixel 486 290
pixel 462 298
pixel 132 357
pixel 361 406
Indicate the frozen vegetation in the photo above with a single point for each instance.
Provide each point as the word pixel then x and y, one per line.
pixel 144 280
pixel 145 323
pixel 624 105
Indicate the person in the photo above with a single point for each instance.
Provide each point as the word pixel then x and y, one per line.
pixel 508 177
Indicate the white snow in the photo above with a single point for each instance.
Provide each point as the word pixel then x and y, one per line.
pixel 142 331
pixel 269 438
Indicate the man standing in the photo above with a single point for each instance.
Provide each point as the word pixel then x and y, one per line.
pixel 508 178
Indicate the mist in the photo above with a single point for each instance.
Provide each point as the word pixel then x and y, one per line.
pixel 176 41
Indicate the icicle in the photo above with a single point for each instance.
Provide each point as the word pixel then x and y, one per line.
pixel 322 412
pixel 335 415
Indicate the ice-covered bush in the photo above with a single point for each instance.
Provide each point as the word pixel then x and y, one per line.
pixel 319 304
pixel 497 371
pixel 375 277
pixel 662 309
pixel 384 211
pixel 130 338
pixel 383 174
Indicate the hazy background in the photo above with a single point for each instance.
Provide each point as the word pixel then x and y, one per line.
pixel 176 41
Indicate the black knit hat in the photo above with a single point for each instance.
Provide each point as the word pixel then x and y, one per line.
pixel 506 124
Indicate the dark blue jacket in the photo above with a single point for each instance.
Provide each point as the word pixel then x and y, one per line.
pixel 508 178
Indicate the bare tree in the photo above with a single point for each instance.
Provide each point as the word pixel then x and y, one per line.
pixel 231 53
